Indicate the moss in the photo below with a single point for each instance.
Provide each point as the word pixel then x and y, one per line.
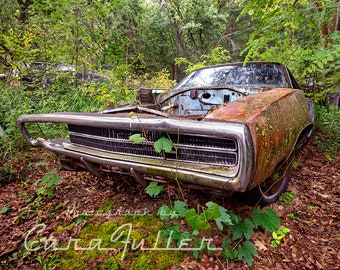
pixel 158 259
pixel 138 231
pixel 66 228
pixel 107 205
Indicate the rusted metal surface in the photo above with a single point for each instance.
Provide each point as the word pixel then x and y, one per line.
pixel 276 118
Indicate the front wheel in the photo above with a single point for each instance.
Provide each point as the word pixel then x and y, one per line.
pixel 272 188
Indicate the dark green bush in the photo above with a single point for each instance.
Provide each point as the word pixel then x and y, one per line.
pixel 328 129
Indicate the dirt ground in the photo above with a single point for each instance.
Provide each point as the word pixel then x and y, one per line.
pixel 312 215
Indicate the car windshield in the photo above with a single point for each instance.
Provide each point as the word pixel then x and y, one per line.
pixel 253 74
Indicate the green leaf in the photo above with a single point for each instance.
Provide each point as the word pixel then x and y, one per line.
pixel 274 235
pixel 243 228
pixel 181 208
pixel 81 218
pixel 4 210
pixel 163 144
pixel 183 236
pixel 213 211
pixel 53 181
pixel 269 220
pixel 228 253
pixel 172 231
pixel 41 191
pixel 47 177
pixel 153 189
pixel 197 222
pixel 137 138
pixel 329 157
pixel 320 65
pixel 286 197
pixel 274 243
pixel 247 252
pixel 225 217
pixel 295 164
pixel 164 212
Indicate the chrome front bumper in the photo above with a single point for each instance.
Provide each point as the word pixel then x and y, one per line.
pixel 231 178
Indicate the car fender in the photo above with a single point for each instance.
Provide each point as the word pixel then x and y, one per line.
pixel 276 119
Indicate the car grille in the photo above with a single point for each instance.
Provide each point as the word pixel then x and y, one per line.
pixel 189 148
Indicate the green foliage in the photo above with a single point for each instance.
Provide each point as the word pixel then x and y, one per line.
pixel 153 189
pixel 137 138
pixel 238 232
pixel 247 252
pixel 7 174
pixel 131 42
pixel 218 55
pixel 81 218
pixel 62 95
pixel 163 144
pixel 47 183
pixel 286 197
pixel 324 65
pixel 228 252
pixel 294 216
pixel 197 222
pixel 278 235
pixel 144 230
pixel 157 80
pixel 267 219
pixel 47 261
pixel 295 164
pixel 327 123
pixel 4 210
pixel 241 229
pixel 299 34
pixel 165 213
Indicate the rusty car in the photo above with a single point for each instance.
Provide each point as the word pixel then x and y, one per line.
pixel 232 127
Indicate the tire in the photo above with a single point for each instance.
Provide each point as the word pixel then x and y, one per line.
pixel 272 188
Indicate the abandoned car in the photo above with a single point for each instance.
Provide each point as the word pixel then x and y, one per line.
pixel 35 75
pixel 230 127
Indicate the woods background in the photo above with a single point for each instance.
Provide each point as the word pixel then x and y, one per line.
pixel 129 38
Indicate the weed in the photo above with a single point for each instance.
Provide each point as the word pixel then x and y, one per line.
pixel 286 197
pixel 4 210
pixel 293 216
pixel 47 183
pixel 278 235
pixel 7 174
pixel 236 245
pixel 107 206
pixel 47 261
pixel 153 189
pixel 81 218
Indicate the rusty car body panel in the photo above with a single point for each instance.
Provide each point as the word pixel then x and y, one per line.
pixel 231 126
pixel 262 113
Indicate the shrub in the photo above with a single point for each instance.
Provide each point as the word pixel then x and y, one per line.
pixel 327 125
